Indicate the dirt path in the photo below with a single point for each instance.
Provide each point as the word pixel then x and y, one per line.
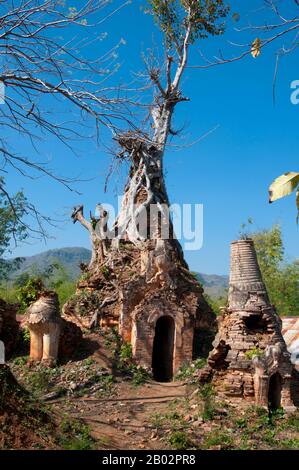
pixel 126 420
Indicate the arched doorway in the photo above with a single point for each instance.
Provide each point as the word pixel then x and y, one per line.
pixel 162 359
pixel 274 393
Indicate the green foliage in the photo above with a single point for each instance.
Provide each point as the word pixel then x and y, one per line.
pixel 216 303
pixel 218 438
pixel 140 375
pixel 241 423
pixel 8 293
pixel 293 422
pixel 187 371
pixel 269 247
pixel 107 385
pixel 254 352
pixel 281 277
pixel 26 287
pixel 30 292
pixel 105 271
pixel 126 352
pixel 38 381
pixel 86 301
pixel 245 229
pixel 76 435
pixel 65 291
pixel 21 360
pixel 290 444
pixel 174 17
pixel 12 211
pixel 127 366
pixel 180 440
pixel 242 428
pixel 26 335
pixel 123 358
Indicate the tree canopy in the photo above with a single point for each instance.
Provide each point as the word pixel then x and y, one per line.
pixel 175 17
pixel 13 230
pixel 280 276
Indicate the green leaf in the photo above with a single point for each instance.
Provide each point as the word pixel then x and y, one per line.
pixel 283 185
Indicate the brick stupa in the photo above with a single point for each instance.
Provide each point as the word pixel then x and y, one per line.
pixel 250 359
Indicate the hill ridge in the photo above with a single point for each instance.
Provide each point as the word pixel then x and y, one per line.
pixel 215 285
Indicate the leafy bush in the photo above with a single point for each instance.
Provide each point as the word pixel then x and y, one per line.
pixel 241 423
pixel 38 381
pixel 105 271
pixel 77 435
pixel 28 293
pixel 254 352
pixel 188 370
pixel 179 440
pixel 140 375
pixel 126 352
pixel 21 361
pixel 107 383
pixel 290 444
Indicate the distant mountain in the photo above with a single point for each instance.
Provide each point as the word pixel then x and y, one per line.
pixel 70 258
pixel 215 285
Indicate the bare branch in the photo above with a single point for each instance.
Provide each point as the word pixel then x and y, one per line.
pixel 77 215
pixel 39 63
pixel 287 27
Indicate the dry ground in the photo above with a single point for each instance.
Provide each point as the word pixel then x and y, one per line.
pixel 97 400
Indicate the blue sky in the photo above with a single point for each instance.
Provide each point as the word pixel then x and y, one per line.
pixel 228 172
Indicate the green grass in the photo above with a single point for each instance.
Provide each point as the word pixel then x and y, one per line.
pixel 253 353
pixel 187 371
pixel 75 435
pixel 290 444
pixel 207 394
pixel 38 381
pixel 218 438
pixel 180 440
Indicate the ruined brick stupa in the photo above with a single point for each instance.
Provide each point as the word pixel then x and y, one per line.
pixel 250 358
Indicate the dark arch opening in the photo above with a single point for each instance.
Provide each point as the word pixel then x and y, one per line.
pixel 202 343
pixel 162 360
pixel 274 393
pixel 255 324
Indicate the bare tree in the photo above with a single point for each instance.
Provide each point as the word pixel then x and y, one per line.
pixel 281 27
pixel 182 23
pixel 140 259
pixel 46 61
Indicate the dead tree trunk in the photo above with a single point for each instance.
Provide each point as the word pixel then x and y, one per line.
pixel 139 274
pixel 142 268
